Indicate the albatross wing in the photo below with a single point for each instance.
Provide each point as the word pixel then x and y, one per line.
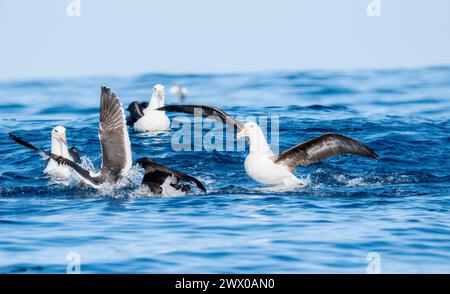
pixel 136 111
pixel 81 171
pixel 206 111
pixel 75 153
pixel 322 147
pixel 59 159
pixel 27 144
pixel 114 139
pixel 158 167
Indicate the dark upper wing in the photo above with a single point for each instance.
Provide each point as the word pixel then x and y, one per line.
pixel 116 148
pixel 59 159
pixel 176 173
pixel 75 154
pixel 27 144
pixel 136 111
pixel 321 148
pixel 204 111
pixel 81 171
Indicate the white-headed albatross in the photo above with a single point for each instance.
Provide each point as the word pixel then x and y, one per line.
pixel 145 118
pixel 114 141
pixel 58 147
pixel 265 167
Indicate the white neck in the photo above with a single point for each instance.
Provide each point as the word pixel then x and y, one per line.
pixel 258 143
pixel 59 148
pixel 155 102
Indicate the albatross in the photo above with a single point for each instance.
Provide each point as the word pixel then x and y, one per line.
pixel 145 118
pixel 156 174
pixel 265 167
pixel 114 141
pixel 59 148
pixel 180 91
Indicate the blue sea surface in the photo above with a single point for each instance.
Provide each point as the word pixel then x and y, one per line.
pixel 397 208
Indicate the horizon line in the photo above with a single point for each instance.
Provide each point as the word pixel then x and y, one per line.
pixel 225 73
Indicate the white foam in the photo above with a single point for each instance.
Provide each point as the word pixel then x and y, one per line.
pixel 167 191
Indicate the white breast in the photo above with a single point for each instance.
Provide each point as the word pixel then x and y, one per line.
pixel 153 121
pixel 263 170
pixel 56 171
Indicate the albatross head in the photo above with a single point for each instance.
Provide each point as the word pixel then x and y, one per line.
pixel 59 135
pixel 257 140
pixel 157 97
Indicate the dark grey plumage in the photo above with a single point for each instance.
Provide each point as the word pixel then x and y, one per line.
pixel 116 149
pixel 73 151
pixel 322 147
pixel 156 174
pixel 75 154
pixel 205 111
pixel 114 140
pixel 136 111
pixel 304 154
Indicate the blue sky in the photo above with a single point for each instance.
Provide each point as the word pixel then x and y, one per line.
pixel 116 37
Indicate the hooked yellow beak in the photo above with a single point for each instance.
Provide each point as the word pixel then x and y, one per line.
pixel 62 136
pixel 242 134
pixel 160 93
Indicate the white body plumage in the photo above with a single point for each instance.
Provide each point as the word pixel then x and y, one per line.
pixel 262 169
pixel 259 163
pixel 154 120
pixel 59 147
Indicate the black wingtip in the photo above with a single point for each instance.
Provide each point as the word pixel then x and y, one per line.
pixel 107 92
pixel 14 137
pixel 201 187
pixel 375 156
pixel 368 151
pixel 24 143
pixel 371 154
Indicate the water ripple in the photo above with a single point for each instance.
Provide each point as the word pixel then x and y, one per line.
pixel 397 206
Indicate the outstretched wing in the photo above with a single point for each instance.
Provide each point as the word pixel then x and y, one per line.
pixel 176 173
pixel 59 159
pixel 81 171
pixel 136 111
pixel 116 148
pixel 322 147
pixel 205 111
pixel 27 144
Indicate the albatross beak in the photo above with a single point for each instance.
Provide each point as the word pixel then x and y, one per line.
pixel 242 134
pixel 63 138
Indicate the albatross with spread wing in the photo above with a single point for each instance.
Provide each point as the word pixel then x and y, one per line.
pixel 58 147
pixel 145 118
pixel 263 165
pixel 114 141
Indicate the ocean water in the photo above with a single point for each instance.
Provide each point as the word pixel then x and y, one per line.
pixel 392 214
